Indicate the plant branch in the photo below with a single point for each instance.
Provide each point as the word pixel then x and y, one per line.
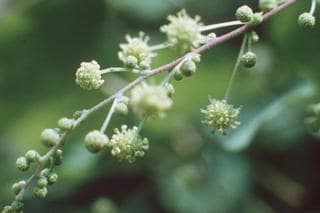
pixel 148 73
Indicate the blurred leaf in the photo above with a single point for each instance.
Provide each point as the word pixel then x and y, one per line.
pixel 243 136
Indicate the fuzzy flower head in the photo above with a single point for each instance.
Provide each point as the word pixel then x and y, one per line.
pixel 88 75
pixel 183 32
pixel 221 116
pixel 136 53
pixel 126 144
pixel 148 100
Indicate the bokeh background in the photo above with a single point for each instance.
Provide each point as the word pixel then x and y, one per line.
pixel 270 164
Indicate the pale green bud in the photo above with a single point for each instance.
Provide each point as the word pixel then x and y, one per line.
pixel 188 68
pixel 121 109
pixel 16 188
pixel 50 137
pixel 42 182
pixel 177 75
pixel 32 156
pixel 58 157
pixel 52 178
pixel 244 14
pixel 248 59
pixel 254 36
pixel 256 19
pixel 65 123
pixel 95 141
pixel 306 21
pixel 124 99
pixel 40 192
pixel 45 172
pixel 170 89
pixel 22 164
pixel 196 57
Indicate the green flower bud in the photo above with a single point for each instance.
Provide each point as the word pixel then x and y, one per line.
pixel 306 21
pixel 32 156
pixel 149 100
pixel 188 68
pixel 177 75
pixel 170 89
pixel 248 59
pixel 256 19
pixel 42 182
pixel 19 197
pixel 196 57
pixel 267 5
pixel 58 157
pixel 253 36
pixel 77 114
pixel 124 99
pixel 65 123
pixel 88 76
pixel 183 32
pixel 95 141
pixel 121 109
pixel 16 188
pixel 50 137
pixel 45 172
pixel 127 145
pixel 22 164
pixel 244 14
pixel 40 192
pixel 17 205
pixel 131 61
pixel 52 178
pixel 221 116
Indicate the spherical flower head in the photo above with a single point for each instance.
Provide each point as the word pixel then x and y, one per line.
pixel 50 137
pixel 183 32
pixel 65 123
pixel 22 164
pixel 126 144
pixel 40 192
pixel 136 53
pixel 88 75
pixel 244 13
pixel 249 59
pixel 221 116
pixel 148 100
pixel 32 156
pixel 306 21
pixel 95 141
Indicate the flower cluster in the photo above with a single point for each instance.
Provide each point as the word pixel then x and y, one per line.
pixel 136 53
pixel 126 144
pixel 149 100
pixel 183 32
pixel 221 116
pixel 88 75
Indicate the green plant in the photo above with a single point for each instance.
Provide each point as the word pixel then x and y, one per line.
pixel 146 100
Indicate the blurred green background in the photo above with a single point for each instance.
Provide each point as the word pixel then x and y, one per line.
pixel 270 164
